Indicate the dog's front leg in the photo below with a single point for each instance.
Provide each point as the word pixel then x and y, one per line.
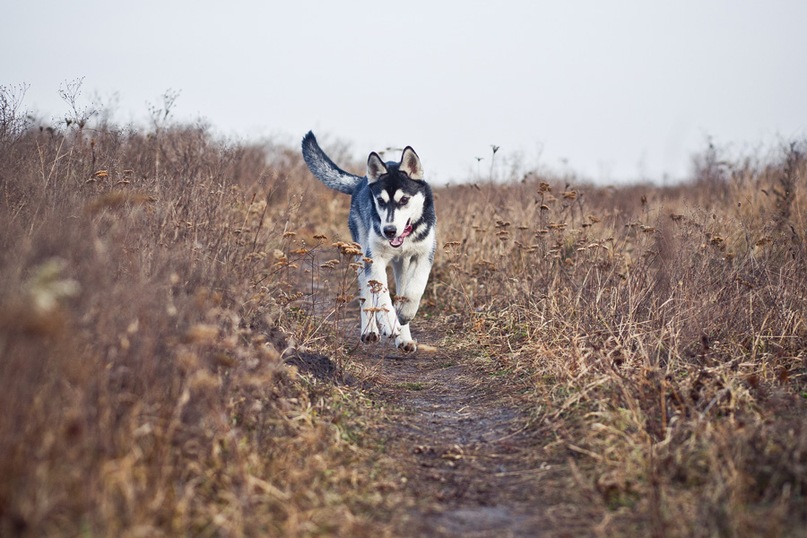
pixel 411 277
pixel 369 328
pixel 377 312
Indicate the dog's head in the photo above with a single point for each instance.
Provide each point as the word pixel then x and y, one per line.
pixel 409 166
pixel 398 193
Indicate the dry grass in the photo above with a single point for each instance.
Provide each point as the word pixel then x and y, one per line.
pixel 153 279
pixel 142 319
pixel 666 330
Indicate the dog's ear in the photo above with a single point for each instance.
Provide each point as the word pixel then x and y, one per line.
pixel 410 163
pixel 375 167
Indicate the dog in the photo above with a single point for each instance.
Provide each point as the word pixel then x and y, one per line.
pixel 392 217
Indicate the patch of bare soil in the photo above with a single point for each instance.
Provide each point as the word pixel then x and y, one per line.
pixel 458 440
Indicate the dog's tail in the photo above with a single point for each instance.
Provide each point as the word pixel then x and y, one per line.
pixel 325 169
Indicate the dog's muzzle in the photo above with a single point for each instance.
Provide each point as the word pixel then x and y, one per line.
pixel 397 241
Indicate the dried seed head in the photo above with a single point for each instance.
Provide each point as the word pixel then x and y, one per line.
pixel 330 264
pixel 375 286
pixel 348 249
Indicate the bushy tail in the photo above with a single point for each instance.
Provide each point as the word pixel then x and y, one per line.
pixel 324 168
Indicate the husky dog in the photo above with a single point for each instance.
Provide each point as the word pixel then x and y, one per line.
pixel 392 218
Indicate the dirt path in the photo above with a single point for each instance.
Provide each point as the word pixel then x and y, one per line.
pixel 459 446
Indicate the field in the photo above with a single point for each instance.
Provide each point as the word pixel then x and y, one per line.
pixel 178 349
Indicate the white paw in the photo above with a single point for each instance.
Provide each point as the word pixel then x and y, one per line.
pixel 387 328
pixel 369 329
pixel 405 342
pixel 369 337
pixel 407 346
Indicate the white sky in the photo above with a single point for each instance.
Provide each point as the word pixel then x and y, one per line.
pixel 613 91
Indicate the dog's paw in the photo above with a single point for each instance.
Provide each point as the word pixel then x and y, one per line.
pixel 394 332
pixel 407 346
pixel 369 337
pixel 387 329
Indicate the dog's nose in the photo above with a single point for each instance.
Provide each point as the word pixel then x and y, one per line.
pixel 390 231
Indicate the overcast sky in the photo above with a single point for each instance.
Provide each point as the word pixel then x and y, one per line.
pixel 612 91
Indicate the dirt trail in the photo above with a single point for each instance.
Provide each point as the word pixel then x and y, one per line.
pixel 465 460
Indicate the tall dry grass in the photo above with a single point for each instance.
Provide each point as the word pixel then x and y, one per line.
pixel 143 313
pixel 152 279
pixel 666 330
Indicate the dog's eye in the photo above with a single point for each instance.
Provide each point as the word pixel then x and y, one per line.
pixel 404 200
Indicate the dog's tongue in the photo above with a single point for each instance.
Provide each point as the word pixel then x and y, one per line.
pixel 398 241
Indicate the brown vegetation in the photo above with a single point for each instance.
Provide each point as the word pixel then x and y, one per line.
pixel 665 330
pixel 169 303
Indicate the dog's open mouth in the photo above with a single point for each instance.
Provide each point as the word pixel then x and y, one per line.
pixel 398 241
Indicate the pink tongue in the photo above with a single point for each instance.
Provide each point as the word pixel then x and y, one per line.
pixel 398 241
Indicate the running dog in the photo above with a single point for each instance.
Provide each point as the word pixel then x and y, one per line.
pixel 392 217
